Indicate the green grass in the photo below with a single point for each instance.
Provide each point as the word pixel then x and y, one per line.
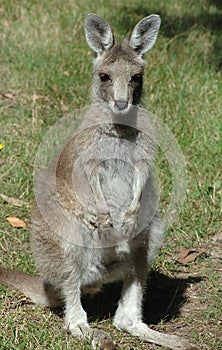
pixel 45 73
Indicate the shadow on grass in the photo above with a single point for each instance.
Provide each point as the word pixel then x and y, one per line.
pixel 173 26
pixel 163 299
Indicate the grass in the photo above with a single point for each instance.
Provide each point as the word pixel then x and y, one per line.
pixel 45 73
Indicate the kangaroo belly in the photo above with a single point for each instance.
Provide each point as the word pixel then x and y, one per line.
pixel 106 266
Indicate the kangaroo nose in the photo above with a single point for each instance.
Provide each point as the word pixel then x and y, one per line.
pixel 121 105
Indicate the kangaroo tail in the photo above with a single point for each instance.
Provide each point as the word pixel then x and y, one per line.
pixel 31 286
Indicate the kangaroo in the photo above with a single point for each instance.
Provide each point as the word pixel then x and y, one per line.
pixel 68 270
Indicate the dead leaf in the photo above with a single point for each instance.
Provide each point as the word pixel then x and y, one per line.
pixel 186 256
pixel 15 201
pixel 55 88
pixel 6 95
pixel 15 222
pixel 217 237
pixel 8 99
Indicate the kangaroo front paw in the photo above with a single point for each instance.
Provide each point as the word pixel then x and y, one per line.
pixel 105 220
pixel 130 222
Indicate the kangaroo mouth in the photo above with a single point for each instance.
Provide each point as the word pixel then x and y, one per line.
pixel 120 107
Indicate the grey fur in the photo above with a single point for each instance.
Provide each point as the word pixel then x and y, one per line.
pixel 120 62
pixel 68 270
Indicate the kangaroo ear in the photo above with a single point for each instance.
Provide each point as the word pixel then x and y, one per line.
pixel 98 33
pixel 144 34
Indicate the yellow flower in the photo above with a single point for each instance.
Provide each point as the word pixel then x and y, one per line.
pixel 1 146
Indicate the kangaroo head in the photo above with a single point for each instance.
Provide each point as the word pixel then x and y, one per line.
pixel 118 66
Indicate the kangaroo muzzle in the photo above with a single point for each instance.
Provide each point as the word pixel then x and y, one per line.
pixel 121 105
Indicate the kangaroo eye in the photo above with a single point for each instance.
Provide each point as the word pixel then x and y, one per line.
pixel 104 77
pixel 137 78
